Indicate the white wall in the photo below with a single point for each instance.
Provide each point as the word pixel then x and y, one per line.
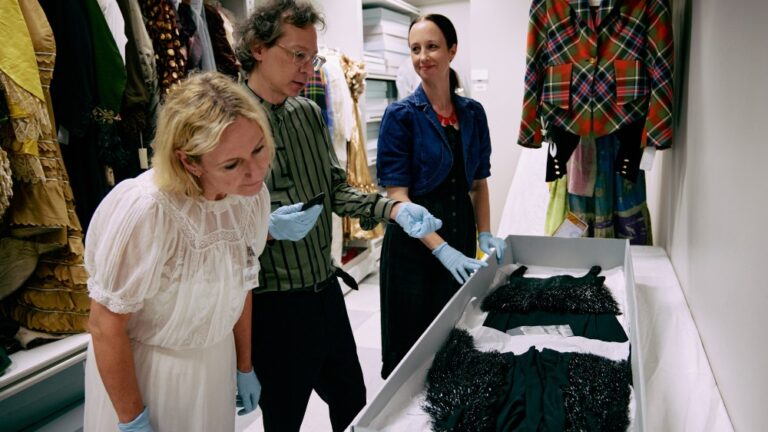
pixel 712 212
pixel 343 26
pixel 498 43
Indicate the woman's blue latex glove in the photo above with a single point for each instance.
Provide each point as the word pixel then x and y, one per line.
pixel 460 266
pixel 139 424
pixel 416 221
pixel 290 223
pixel 488 242
pixel 249 390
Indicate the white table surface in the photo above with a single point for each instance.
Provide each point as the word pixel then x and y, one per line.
pixel 680 390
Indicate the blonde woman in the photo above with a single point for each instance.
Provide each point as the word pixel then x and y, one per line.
pixel 172 256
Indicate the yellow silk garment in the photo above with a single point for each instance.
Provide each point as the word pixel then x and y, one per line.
pixel 20 84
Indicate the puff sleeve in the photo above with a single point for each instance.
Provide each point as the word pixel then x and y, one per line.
pixel 126 248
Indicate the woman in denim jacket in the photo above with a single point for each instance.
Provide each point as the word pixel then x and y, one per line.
pixel 434 149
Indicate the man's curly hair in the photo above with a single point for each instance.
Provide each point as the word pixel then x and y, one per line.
pixel 265 26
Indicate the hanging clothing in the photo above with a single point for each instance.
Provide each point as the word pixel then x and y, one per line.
pixel 6 182
pixel 223 53
pixel 114 19
pixel 141 95
pixel 189 37
pixel 208 61
pixel 110 84
pixel 74 95
pixel 23 94
pixel 340 109
pixel 54 298
pixel 163 29
pixel 38 207
pixel 618 207
pixel 594 72
pixel 358 174
pixel 315 90
pixel 158 257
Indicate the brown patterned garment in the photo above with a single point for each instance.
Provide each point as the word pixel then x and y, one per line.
pixel 226 61
pixel 55 298
pixel 163 29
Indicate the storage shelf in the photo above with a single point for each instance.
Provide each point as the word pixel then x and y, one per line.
pixel 395 5
pixel 34 365
pixel 381 77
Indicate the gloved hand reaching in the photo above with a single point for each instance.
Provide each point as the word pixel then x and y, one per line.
pixel 290 223
pixel 139 424
pixel 249 391
pixel 460 266
pixel 488 242
pixel 416 221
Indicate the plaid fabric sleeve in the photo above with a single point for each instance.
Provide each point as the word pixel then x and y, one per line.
pixel 530 128
pixel 659 58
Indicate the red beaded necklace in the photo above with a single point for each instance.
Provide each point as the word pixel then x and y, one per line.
pixel 447 121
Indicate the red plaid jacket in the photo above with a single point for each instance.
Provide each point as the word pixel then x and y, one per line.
pixel 598 72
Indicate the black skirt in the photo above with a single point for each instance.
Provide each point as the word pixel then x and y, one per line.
pixel 414 284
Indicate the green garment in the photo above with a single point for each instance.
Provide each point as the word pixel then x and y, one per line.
pixel 305 165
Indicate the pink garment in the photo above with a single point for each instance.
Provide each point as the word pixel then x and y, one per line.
pixel 582 168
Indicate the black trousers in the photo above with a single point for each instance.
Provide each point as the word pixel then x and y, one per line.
pixel 303 342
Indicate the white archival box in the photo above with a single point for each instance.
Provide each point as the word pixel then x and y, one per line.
pixel 407 380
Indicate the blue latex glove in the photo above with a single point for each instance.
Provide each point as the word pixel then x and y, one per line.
pixel 417 221
pixel 249 391
pixel 488 242
pixel 139 424
pixel 290 223
pixel 459 265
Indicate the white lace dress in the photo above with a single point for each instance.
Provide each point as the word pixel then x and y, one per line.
pixel 183 268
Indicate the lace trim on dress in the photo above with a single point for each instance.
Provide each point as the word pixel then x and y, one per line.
pixel 113 304
pixel 28 115
pixel 28 119
pixel 6 183
pixel 191 232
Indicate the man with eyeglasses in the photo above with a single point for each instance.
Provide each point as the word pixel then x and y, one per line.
pixel 301 336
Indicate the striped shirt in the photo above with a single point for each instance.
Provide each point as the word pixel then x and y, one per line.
pixel 305 164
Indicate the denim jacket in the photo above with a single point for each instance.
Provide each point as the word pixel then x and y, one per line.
pixel 413 149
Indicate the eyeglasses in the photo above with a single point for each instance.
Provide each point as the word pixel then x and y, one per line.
pixel 301 58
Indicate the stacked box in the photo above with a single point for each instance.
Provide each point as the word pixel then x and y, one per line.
pixel 385 32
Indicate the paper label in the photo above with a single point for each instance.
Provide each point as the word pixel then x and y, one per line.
pixel 559 330
pixel 63 135
pixel 572 227
pixel 109 175
pixel 143 161
pixel 646 162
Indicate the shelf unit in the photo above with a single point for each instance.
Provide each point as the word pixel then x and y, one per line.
pixel 395 5
pixel 381 77
pixel 43 382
